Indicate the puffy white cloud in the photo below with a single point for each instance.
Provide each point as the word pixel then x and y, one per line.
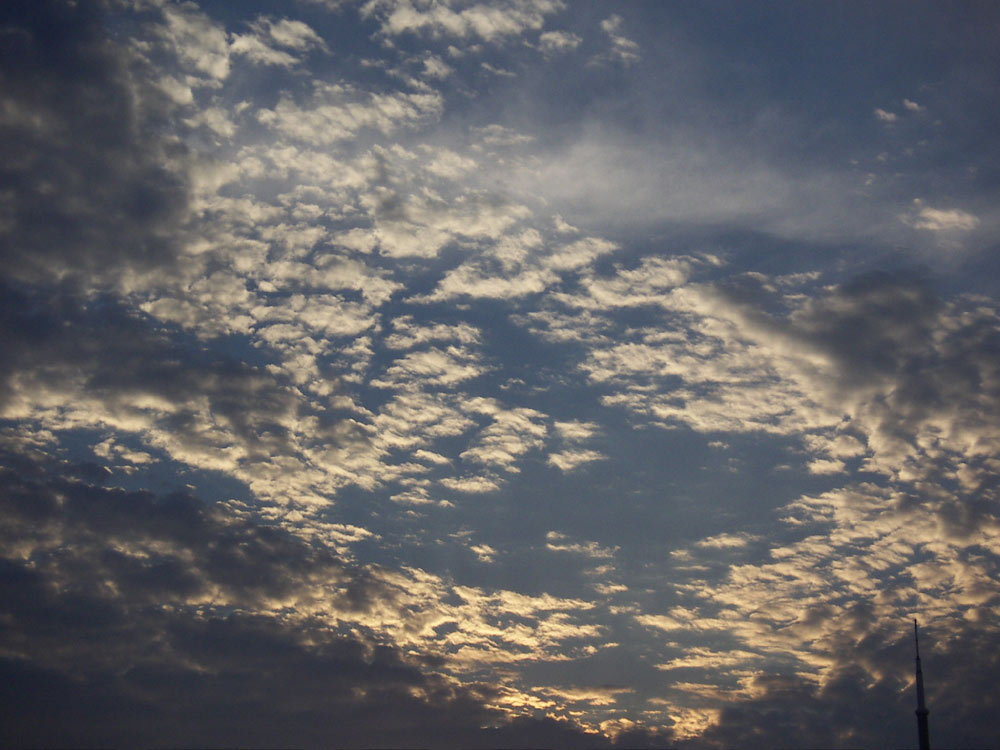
pixel 414 419
pixel 338 111
pixel 578 254
pixel 432 367
pixel 484 552
pixel 552 42
pixel 647 284
pixel 198 40
pixel 511 434
pixel 408 334
pixel 435 67
pixel 421 225
pixel 215 119
pixel 474 281
pixel 257 45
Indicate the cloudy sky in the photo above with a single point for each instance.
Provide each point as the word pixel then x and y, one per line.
pixel 418 373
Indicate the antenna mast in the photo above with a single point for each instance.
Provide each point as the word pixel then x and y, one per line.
pixel 921 706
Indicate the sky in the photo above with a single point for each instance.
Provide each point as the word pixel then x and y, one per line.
pixel 431 374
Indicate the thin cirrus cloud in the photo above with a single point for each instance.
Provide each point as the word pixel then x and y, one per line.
pixel 377 387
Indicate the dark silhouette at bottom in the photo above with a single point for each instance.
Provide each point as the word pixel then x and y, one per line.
pixel 922 712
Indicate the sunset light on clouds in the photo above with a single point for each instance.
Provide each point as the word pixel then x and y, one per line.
pixel 416 373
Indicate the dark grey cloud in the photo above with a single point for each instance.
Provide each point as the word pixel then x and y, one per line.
pixel 103 645
pixel 869 699
pixel 102 350
pixel 92 186
pixel 109 638
pixel 930 373
pixel 917 374
pixel 875 325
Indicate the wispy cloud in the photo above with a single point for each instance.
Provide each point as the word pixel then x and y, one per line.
pixel 885 115
pixel 623 50
pixel 490 22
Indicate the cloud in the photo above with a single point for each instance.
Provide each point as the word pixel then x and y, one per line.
pixel 408 334
pixel 852 351
pixel 558 542
pixel 571 435
pixel 864 558
pixel 99 367
pixel 727 541
pixel 471 485
pixel 433 367
pixel 885 115
pixel 197 40
pixel 518 265
pixel 940 220
pixel 338 111
pixel 499 135
pixel 646 284
pixel 683 177
pixel 912 106
pixel 623 50
pixel 435 67
pixel 567 460
pixel 848 625
pixel 605 175
pixel 484 552
pixel 511 434
pixel 178 592
pixel 554 42
pixel 293 35
pixel 473 280
pixel 497 71
pixel 421 225
pixel 215 119
pixel 83 119
pixel 578 254
pixel 490 22
pixel 882 373
pixel 353 308
pixel 257 51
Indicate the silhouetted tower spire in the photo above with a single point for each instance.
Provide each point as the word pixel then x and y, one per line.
pixel 921 707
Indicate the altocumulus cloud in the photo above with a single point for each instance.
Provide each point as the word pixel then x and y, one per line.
pixel 364 384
